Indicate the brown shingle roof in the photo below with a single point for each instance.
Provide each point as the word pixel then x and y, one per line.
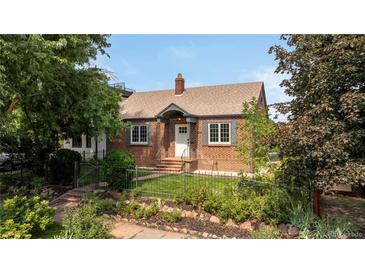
pixel 197 101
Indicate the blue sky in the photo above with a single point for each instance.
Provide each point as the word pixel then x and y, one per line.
pixel 151 62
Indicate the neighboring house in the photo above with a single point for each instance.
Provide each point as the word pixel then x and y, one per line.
pixel 86 145
pixel 193 125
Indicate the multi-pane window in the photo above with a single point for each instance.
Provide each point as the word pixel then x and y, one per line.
pixel 214 133
pixel 183 130
pixel 139 134
pixel 224 131
pixel 219 133
pixel 77 141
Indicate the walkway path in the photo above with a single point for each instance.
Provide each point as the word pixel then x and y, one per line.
pixel 125 230
pixel 69 199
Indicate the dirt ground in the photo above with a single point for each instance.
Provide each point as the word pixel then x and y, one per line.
pixel 349 208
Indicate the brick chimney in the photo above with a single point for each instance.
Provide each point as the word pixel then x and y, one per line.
pixel 179 84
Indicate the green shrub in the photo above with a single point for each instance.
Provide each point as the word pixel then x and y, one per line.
pixel 37 183
pixel 311 226
pixel 135 192
pixel 115 165
pixel 148 211
pixel 103 206
pixel 83 223
pixel 121 206
pixel 265 232
pixel 195 197
pixel 61 166
pixel 212 204
pixel 139 213
pixel 172 217
pixel 11 230
pixel 23 217
pixel 272 206
pixel 151 210
pixel 233 208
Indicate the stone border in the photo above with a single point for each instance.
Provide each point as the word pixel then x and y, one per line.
pixel 247 226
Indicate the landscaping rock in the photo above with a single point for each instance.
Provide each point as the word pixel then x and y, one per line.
pixel 191 214
pixel 166 208
pixel 193 232
pixel 175 229
pixel 214 219
pixel 283 228
pixel 168 228
pixel 205 235
pixel 184 230
pixel 293 231
pixel 249 225
pixel 214 236
pixel 231 223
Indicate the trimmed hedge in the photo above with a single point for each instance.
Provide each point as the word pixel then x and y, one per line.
pixel 61 166
pixel 114 169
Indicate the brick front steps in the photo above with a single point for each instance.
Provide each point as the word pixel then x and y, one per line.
pixel 169 165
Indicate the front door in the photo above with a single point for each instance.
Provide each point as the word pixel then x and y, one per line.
pixel 182 133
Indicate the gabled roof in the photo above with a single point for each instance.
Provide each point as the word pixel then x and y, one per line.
pixel 198 101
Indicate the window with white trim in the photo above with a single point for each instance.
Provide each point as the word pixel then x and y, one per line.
pixel 219 133
pixel 139 134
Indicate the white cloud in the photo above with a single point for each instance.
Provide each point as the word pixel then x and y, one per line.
pixel 182 51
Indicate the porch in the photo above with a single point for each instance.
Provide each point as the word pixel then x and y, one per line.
pixel 176 140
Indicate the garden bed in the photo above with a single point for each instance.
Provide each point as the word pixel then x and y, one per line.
pixel 197 228
pixel 193 222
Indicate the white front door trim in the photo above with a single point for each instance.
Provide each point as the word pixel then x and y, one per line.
pixel 182 140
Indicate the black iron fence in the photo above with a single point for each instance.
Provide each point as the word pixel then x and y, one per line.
pixel 86 174
pixel 169 184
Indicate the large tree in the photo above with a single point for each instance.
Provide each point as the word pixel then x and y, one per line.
pixel 55 90
pixel 323 140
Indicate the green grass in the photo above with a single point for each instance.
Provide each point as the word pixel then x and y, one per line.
pixel 171 185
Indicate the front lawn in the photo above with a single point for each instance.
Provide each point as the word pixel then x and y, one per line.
pixel 173 184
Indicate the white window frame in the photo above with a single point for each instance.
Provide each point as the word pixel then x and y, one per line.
pixel 219 134
pixel 139 135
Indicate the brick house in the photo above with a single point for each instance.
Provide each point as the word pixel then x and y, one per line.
pixel 197 126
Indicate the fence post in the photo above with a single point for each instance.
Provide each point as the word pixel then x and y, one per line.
pixel 184 177
pixel 97 181
pixel 76 179
pixel 83 155
pixel 136 176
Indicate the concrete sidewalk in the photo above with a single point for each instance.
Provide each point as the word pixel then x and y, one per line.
pixel 124 230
